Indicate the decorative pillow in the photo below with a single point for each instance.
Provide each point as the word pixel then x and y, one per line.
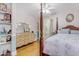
pixel 64 31
pixel 74 31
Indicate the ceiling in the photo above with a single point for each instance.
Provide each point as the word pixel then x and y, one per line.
pixel 55 8
pixel 33 9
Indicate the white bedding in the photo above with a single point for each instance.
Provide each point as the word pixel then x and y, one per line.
pixel 62 45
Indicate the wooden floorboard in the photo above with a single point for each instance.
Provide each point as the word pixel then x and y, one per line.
pixel 32 49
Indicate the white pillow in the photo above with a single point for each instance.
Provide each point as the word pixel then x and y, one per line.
pixel 64 31
pixel 74 31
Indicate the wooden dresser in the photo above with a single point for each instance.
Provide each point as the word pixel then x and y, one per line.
pixel 24 38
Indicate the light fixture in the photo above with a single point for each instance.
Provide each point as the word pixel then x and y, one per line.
pixel 46 11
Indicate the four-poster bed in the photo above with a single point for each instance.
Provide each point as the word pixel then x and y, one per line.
pixel 63 44
pixel 60 44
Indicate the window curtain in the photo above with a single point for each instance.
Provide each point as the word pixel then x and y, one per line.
pixel 48 28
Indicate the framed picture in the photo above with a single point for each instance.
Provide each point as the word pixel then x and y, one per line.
pixel 7 17
pixel 3 7
pixel 69 17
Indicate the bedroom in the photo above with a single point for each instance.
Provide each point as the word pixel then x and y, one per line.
pixel 46 29
pixel 60 29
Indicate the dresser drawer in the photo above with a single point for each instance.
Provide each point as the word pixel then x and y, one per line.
pixel 19 36
pixel 24 38
pixel 21 43
pixel 19 39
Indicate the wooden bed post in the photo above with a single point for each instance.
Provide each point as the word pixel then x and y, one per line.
pixel 57 25
pixel 41 31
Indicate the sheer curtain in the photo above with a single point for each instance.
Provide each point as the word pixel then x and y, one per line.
pixel 48 28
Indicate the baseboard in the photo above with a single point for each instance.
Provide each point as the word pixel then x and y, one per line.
pixel 44 54
pixel 14 53
pixel 25 45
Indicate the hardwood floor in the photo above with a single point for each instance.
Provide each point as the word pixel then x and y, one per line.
pixel 29 50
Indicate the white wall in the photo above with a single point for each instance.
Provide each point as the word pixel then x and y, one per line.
pixel 62 13
pixel 26 13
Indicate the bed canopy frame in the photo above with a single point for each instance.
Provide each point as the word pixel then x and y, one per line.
pixel 57 25
pixel 41 31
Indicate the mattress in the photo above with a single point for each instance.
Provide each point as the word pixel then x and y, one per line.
pixel 62 45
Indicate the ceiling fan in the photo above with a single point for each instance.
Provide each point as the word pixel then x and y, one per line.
pixel 48 9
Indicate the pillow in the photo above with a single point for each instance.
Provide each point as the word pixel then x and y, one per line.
pixel 74 31
pixel 64 31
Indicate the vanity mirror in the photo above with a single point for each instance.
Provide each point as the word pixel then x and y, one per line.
pixel 22 27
